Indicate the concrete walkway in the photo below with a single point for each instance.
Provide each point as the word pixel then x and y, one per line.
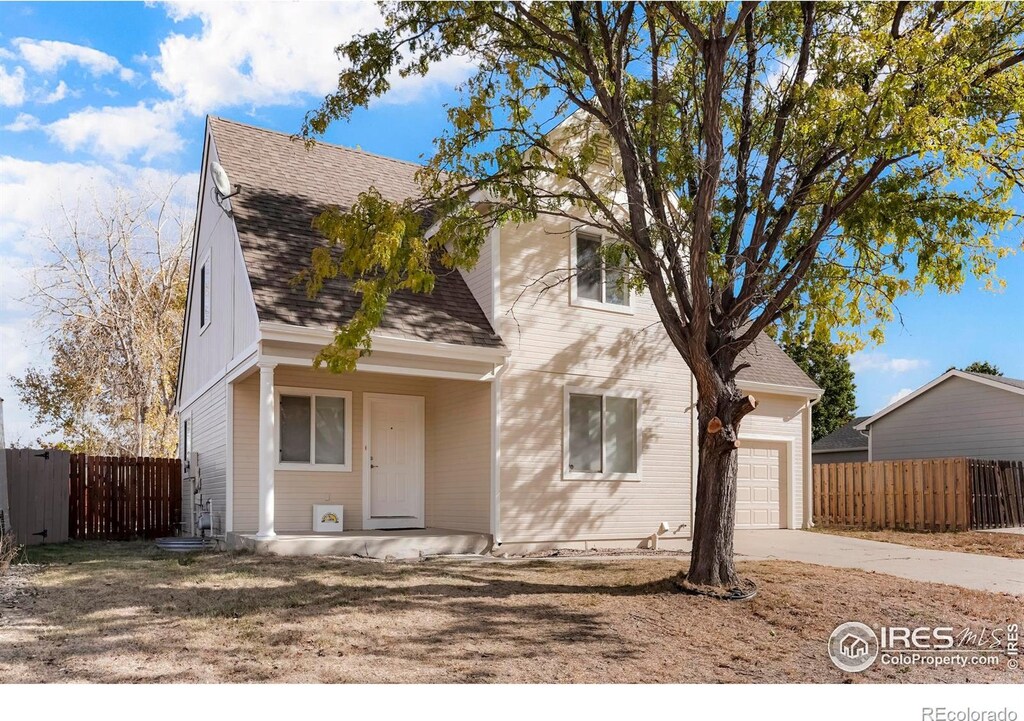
pixel 970 570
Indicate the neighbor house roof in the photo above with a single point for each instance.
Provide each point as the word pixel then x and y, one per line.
pixel 1011 385
pixel 845 438
pixel 284 186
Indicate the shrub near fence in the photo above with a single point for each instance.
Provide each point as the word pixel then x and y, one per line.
pixel 944 494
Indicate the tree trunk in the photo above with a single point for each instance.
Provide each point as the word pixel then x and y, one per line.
pixel 711 560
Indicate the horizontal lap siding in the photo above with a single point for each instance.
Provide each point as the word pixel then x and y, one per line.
pixel 782 417
pixel 458 483
pixel 209 440
pixel 464 470
pixel 555 344
pixel 958 417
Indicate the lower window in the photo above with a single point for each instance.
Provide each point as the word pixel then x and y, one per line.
pixel 315 430
pixel 602 435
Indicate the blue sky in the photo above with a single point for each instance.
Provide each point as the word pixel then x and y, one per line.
pixel 94 95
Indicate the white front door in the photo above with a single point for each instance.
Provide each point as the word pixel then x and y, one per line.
pixel 393 430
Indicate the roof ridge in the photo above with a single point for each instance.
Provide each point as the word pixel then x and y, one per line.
pixel 332 146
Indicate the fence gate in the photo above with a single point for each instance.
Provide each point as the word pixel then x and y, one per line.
pixel 37 484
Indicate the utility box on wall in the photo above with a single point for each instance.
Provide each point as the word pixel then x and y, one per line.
pixel 328 518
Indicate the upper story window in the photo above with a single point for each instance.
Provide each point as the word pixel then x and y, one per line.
pixel 601 437
pixel 315 430
pixel 205 292
pixel 596 284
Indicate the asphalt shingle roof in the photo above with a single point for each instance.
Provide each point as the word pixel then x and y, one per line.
pixel 284 187
pixel 770 364
pixel 846 438
pixel 1014 382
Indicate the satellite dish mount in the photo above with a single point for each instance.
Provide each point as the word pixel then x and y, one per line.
pixel 222 184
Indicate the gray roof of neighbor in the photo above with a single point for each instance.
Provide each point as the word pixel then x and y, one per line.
pixel 284 187
pixel 770 364
pixel 1013 382
pixel 846 438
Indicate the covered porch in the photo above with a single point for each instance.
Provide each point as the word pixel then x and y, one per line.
pixel 400 452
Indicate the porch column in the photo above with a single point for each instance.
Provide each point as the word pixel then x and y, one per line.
pixel 268 450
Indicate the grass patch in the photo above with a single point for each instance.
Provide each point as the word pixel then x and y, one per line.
pixel 1006 545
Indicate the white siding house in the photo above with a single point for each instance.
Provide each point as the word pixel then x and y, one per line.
pixel 534 419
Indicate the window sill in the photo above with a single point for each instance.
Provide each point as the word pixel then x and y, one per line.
pixel 598 305
pixel 202 328
pixel 613 477
pixel 316 467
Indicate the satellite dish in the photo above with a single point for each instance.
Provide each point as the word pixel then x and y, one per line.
pixel 222 182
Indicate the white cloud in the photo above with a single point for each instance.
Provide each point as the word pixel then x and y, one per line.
pixel 59 93
pixel 118 132
pixel 901 393
pixel 272 54
pixel 23 122
pixel 12 86
pixel 882 362
pixel 47 56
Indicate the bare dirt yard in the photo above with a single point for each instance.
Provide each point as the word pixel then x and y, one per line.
pixel 125 612
pixel 1007 545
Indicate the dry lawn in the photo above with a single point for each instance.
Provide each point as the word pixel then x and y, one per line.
pixel 1007 545
pixel 105 612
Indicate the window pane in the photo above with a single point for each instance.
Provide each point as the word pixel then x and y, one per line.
pixel 207 293
pixel 584 433
pixel 202 295
pixel 330 429
pixel 588 268
pixel 614 292
pixel 295 429
pixel 620 434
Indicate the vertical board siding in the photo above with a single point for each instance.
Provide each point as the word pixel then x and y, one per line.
pixel 957 418
pixel 209 440
pixel 945 494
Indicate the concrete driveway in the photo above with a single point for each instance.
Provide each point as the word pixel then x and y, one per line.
pixel 970 570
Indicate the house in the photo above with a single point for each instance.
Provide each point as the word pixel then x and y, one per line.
pixel 513 416
pixel 957 414
pixel 844 445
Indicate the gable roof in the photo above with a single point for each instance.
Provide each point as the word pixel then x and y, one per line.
pixel 769 364
pixel 845 438
pixel 284 186
pixel 1011 385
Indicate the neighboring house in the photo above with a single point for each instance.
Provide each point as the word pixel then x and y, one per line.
pixel 843 445
pixel 566 420
pixel 957 414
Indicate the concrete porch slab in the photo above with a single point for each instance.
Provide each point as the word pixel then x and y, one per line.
pixel 410 543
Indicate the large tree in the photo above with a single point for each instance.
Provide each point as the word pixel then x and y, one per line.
pixel 111 299
pixel 751 161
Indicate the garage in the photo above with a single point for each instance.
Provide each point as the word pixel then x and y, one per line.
pixel 759 487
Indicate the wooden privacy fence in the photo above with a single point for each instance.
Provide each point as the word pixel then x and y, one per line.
pixel 37 487
pixel 943 494
pixel 118 498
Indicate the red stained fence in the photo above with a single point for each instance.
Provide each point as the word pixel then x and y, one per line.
pixel 118 498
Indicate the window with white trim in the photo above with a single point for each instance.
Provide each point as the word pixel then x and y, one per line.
pixel 596 284
pixel 205 292
pixel 601 434
pixel 314 430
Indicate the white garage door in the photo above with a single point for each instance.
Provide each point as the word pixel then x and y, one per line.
pixel 758 487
